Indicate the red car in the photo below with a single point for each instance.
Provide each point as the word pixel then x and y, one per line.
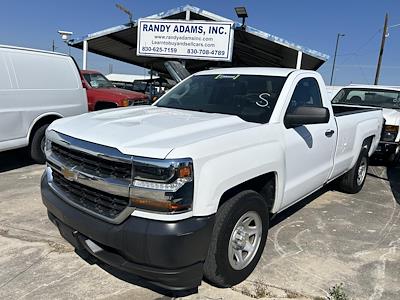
pixel 103 94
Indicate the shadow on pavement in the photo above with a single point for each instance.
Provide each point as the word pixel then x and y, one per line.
pixel 393 174
pixel 393 177
pixel 299 205
pixel 14 159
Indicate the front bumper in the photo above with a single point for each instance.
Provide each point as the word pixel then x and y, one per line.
pixel 387 148
pixel 167 254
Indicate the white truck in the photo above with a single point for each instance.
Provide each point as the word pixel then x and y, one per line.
pixel 385 97
pixel 186 188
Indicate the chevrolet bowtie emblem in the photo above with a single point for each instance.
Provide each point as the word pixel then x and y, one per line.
pixel 69 173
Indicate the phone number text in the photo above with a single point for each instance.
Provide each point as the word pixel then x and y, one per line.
pixel 190 51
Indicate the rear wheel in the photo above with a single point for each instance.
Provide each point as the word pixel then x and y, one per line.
pixel 353 181
pixel 38 144
pixel 238 239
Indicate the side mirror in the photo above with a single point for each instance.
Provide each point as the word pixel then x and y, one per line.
pixel 305 115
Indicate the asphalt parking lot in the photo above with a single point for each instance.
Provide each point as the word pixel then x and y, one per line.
pixel 327 239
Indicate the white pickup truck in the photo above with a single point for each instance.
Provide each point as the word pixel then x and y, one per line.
pixel 385 97
pixel 185 188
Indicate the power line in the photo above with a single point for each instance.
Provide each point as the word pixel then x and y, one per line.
pixel 368 41
pixel 356 52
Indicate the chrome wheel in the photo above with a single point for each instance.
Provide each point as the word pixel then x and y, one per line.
pixel 245 240
pixel 362 171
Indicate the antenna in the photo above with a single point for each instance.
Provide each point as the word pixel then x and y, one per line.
pixel 125 10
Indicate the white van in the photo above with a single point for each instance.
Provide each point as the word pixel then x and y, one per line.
pixel 36 88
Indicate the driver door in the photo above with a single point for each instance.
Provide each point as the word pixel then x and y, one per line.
pixel 309 148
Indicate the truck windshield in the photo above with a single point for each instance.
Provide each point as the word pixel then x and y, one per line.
pixel 250 97
pixel 97 80
pixel 368 97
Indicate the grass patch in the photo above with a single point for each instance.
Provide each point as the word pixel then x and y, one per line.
pixel 337 293
pixel 261 290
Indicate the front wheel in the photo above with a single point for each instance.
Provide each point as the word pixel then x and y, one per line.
pixel 353 181
pixel 37 145
pixel 238 239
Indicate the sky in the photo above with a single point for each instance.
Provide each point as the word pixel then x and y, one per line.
pixel 310 23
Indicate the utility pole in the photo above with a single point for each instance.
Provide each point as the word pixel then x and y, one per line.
pixel 384 36
pixel 334 57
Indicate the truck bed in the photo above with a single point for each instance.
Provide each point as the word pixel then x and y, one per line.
pixel 343 110
pixel 354 124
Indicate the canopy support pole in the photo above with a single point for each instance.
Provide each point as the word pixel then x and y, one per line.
pixel 85 52
pixel 299 59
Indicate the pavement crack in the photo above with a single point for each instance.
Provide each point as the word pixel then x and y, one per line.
pixel 258 289
pixel 25 270
pixel 52 282
pixel 8 226
pixel 55 246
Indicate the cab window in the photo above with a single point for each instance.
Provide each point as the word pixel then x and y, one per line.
pixel 306 93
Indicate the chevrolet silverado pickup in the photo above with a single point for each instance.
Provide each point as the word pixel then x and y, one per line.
pixel 184 189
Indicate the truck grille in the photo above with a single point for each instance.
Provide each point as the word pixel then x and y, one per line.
pixel 91 163
pixel 139 101
pixel 94 178
pixel 102 203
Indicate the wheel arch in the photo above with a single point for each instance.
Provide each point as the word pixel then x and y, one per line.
pixel 41 120
pixel 265 184
pixel 367 143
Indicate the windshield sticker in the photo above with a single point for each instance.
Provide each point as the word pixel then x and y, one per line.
pixel 222 76
pixel 263 102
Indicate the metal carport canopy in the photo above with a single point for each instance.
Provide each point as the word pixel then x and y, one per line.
pixel 252 47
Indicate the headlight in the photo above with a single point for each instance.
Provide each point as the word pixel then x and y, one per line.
pixel 162 185
pixel 389 133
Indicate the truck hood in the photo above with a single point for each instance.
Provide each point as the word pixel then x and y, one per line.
pixel 117 93
pixel 148 131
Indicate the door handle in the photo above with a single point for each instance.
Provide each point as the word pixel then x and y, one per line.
pixel 329 133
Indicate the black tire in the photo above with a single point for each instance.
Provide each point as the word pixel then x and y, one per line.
pixel 37 145
pixel 394 158
pixel 217 268
pixel 348 183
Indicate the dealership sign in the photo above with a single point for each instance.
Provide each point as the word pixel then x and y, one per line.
pixel 185 39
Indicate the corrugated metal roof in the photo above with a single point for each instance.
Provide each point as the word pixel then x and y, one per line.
pixel 252 47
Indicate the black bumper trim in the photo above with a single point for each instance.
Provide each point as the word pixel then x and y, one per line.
pixel 386 148
pixel 167 254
